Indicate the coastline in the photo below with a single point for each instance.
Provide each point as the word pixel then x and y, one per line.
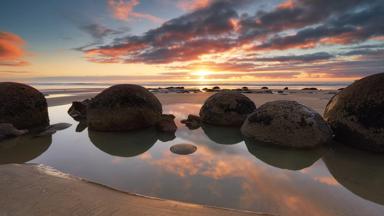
pixel 45 191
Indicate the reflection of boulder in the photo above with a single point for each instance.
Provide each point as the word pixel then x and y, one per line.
pixel 128 144
pixel 223 135
pixel 23 149
pixel 292 159
pixel 360 172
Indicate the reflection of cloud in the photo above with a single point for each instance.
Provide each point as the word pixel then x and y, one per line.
pixel 11 50
pixel 327 180
pixel 258 184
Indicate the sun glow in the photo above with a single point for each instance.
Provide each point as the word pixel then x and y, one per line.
pixel 202 75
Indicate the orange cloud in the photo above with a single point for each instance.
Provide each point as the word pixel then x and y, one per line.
pixel 11 50
pixel 123 10
pixel 189 5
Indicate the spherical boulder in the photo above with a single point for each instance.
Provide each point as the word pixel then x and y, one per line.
pixel 287 123
pixel 22 106
pixel 226 109
pixel 123 108
pixel 356 114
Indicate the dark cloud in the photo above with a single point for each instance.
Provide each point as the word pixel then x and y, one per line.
pixel 218 27
pixel 99 31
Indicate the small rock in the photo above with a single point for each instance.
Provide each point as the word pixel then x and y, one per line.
pixel 46 132
pixel 8 130
pixel 192 122
pixel 310 89
pixel 81 126
pixel 166 124
pixel 78 110
pixel 59 126
pixel 183 149
pixel 264 88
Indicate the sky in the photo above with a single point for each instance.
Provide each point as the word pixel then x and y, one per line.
pixel 191 41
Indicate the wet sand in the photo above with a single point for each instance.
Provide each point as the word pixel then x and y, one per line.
pixel 316 100
pixel 41 190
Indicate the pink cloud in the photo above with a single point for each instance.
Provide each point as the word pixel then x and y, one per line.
pixel 124 10
pixel 11 50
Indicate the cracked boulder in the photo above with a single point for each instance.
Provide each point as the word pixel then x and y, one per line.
pixel 226 109
pixel 288 124
pixel 356 114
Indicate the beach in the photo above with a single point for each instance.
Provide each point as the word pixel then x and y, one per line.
pixel 43 190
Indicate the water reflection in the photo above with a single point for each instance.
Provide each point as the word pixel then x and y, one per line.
pixel 284 158
pixel 22 149
pixel 222 135
pixel 359 171
pixel 127 144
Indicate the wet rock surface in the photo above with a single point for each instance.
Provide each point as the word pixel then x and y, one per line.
pixel 226 109
pixel 183 149
pixel 22 106
pixel 193 122
pixel 123 108
pixel 356 114
pixel 287 123
pixel 78 110
pixel 166 124
pixel 8 130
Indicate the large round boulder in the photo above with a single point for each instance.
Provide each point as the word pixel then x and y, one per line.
pixel 22 106
pixel 226 109
pixel 356 114
pixel 287 123
pixel 123 108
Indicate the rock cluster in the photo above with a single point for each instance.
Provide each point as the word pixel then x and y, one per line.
pixel 287 123
pixel 226 109
pixel 166 124
pixel 356 114
pixel 78 110
pixel 22 106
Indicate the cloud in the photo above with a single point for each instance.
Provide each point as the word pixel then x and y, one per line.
pixel 124 10
pixel 98 31
pixel 11 50
pixel 216 29
pixel 190 5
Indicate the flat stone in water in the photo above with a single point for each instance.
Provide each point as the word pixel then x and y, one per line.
pixel 183 149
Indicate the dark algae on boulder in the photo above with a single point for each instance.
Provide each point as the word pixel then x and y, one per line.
pixel 123 108
pixel 288 124
pixel 226 109
pixel 22 106
pixel 356 114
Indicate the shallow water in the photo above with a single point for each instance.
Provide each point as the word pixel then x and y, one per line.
pixel 225 170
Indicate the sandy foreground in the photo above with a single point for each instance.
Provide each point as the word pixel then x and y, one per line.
pixel 39 190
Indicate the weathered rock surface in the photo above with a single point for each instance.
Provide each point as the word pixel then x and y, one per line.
pixel 356 114
pixel 193 122
pixel 226 109
pixel 78 110
pixel 183 149
pixel 287 123
pixel 22 106
pixel 8 130
pixel 123 108
pixel 166 124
